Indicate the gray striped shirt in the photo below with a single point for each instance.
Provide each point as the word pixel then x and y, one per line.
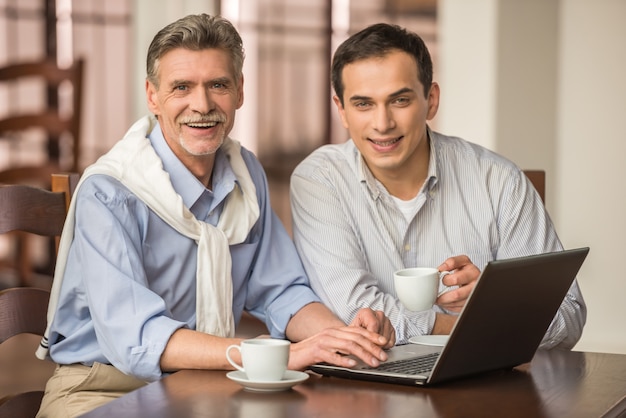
pixel 352 236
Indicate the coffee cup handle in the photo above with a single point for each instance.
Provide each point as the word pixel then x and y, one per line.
pixel 231 361
pixel 445 289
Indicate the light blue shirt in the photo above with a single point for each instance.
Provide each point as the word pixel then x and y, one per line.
pixel 130 279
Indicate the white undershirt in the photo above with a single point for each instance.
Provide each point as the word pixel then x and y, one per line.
pixel 409 207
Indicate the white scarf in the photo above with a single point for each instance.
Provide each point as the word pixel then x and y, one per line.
pixel 135 164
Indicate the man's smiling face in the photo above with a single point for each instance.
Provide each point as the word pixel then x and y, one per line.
pixel 385 111
pixel 196 100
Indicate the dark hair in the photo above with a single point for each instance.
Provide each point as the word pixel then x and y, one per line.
pixel 379 40
pixel 195 32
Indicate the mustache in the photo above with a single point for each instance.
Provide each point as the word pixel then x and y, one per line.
pixel 209 117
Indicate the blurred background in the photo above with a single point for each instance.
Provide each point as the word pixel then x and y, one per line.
pixel 539 81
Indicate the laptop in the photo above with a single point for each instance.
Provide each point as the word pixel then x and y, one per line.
pixel 500 327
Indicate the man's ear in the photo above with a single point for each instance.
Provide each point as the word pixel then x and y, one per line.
pixel 433 101
pixel 341 111
pixel 240 93
pixel 151 97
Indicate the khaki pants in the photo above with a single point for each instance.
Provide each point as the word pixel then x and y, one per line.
pixel 76 389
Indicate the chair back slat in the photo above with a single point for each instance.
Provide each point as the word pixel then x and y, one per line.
pixel 31 209
pixel 26 209
pixel 23 310
pixel 55 120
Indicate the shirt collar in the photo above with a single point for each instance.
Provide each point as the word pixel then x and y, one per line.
pixel 433 163
pixel 366 176
pixel 183 180
pixel 376 188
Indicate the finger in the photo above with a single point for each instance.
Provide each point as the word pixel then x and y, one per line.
pixel 314 350
pixel 333 346
pixel 340 360
pixel 365 318
pixel 455 300
pixel 453 263
pixel 386 329
pixel 456 296
pixel 363 344
pixel 468 274
pixel 374 322
pixel 390 333
pixel 463 276
pixel 374 338
pixel 372 355
pixel 381 321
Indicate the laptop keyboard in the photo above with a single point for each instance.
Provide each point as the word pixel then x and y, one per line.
pixel 412 366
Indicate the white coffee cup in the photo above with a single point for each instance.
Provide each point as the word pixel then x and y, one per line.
pixel 263 359
pixel 418 287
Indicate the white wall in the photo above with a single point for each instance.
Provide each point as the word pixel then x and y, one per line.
pixel 543 82
pixel 466 44
pixel 591 145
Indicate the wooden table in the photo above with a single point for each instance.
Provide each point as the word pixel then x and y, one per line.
pixel 555 384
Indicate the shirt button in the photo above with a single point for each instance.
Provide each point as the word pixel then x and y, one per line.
pixel 407 247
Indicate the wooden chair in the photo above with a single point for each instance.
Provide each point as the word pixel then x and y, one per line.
pixel 51 116
pixel 23 310
pixel 40 132
pixel 34 210
pixel 538 179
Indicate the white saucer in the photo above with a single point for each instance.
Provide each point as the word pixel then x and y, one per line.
pixel 435 340
pixel 291 378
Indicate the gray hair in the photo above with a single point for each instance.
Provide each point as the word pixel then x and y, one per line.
pixel 196 33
